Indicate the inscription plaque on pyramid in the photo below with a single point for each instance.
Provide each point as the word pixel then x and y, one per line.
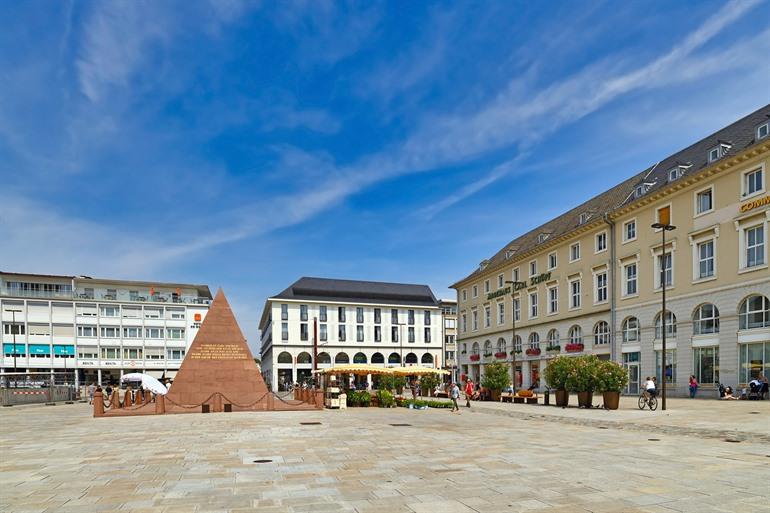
pixel 218 366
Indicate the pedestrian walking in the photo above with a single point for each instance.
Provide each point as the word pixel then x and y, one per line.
pixel 91 390
pixel 454 394
pixel 468 392
pixel 693 386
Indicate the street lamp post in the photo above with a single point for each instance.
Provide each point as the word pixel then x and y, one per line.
pixel 514 285
pixel 664 226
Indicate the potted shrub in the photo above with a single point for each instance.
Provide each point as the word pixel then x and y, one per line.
pixel 496 379
pixel 353 399
pixel 611 379
pixel 582 379
pixel 385 399
pixel 364 399
pixel 428 383
pixel 556 375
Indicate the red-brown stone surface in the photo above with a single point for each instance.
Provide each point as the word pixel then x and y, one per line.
pixel 218 362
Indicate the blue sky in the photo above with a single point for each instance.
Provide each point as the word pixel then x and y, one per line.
pixel 246 144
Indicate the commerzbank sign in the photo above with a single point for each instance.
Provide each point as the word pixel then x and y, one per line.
pixel 751 205
pixel 518 285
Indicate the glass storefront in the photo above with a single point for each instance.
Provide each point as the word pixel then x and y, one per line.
pixel 706 365
pixel 670 366
pixel 754 361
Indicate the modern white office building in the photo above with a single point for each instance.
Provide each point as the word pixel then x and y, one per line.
pixel 355 321
pixel 100 328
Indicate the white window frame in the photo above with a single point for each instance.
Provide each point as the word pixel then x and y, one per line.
pixel 487 287
pixel 571 252
pixel 624 293
pixel 533 305
pixel 657 252
pixel 572 305
pixel 487 315
pixel 602 234
pixel 555 260
pixel 515 274
pixel 464 295
pixel 475 291
pixel 766 126
pixel 670 214
pixel 625 330
pixel 516 307
pixel 531 267
pixel 500 314
pixel 474 319
pixel 696 240
pixel 710 156
pixel 742 226
pixel 744 174
pixel 696 201
pixel 625 230
pixel 500 280
pixel 596 273
pixel 550 299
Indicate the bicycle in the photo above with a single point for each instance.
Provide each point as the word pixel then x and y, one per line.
pixel 652 402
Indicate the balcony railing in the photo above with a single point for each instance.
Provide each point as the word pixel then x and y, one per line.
pixel 79 294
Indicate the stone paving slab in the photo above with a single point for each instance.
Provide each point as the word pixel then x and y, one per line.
pixel 61 459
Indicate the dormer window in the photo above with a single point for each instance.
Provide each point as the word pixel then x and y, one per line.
pixel 483 265
pixel 763 131
pixel 641 190
pixel 584 217
pixel 542 237
pixel 509 253
pixel 718 152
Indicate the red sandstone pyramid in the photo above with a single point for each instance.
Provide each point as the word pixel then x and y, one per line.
pixel 218 361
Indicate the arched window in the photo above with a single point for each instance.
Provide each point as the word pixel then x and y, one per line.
pixel 284 357
pixel 705 319
pixel 359 358
pixel 324 358
pixel 378 358
pixel 427 358
pixel 670 325
pixel 602 333
pixel 754 313
pixel 630 330
pixel 501 345
pixel 341 358
pixel 575 335
pixel 411 358
pixel 517 343
pixel 553 337
pixel 394 358
pixel 534 340
pixel 475 349
pixel 487 348
pixel 304 357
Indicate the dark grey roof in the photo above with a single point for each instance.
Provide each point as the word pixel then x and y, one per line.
pixel 325 289
pixel 739 136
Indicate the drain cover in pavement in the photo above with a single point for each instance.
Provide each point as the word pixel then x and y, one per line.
pixel 310 423
pixel 263 461
pixel 653 439
pixel 400 425
pixel 733 440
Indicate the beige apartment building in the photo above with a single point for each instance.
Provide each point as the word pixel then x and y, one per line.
pixel 590 280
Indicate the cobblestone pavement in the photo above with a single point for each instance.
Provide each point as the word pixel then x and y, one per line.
pixel 706 418
pixel 60 459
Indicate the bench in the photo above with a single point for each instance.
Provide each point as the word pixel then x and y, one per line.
pixel 506 397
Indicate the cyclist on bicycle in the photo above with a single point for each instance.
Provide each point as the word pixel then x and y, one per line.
pixel 649 389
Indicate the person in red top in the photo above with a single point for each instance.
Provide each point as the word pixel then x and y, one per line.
pixel 468 392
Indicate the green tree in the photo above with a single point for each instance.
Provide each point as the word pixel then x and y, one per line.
pixel 428 383
pixel 496 376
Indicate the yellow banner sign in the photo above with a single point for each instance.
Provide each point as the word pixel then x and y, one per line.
pixel 751 205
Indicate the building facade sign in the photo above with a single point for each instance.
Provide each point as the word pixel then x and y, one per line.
pixel 751 205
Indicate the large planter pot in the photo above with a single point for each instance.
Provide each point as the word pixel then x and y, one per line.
pixel 611 400
pixel 496 395
pixel 562 398
pixel 585 399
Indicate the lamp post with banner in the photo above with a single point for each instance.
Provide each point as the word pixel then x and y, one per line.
pixel 664 225
pixel 515 285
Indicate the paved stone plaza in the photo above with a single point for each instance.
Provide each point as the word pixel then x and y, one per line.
pixel 490 459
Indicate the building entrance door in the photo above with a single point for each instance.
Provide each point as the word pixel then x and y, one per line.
pixel 631 363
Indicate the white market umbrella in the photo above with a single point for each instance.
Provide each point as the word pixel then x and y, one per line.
pixel 148 382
